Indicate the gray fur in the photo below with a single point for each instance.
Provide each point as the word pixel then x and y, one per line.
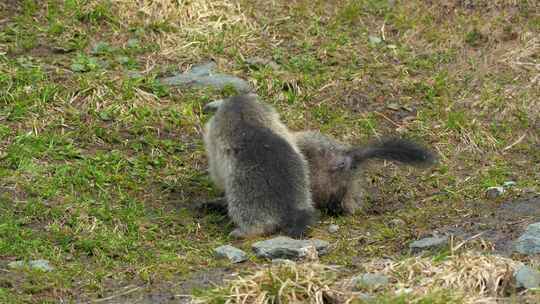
pixel 254 159
pixel 336 184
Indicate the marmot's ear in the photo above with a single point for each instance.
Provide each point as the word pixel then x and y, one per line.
pixel 341 163
pixel 212 106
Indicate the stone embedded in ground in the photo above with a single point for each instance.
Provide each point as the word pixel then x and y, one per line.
pixel 288 248
pixel 371 280
pixel 203 75
pixel 374 39
pixel 527 277
pixel 529 242
pixel 234 254
pixel 333 228
pixel 42 265
pixel 509 184
pixel 429 242
pixel 494 192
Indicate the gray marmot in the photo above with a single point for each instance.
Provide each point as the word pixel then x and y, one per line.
pixel 334 167
pixel 253 157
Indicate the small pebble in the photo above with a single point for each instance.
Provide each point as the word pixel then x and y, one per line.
pixel 371 280
pixel 509 184
pixel 42 265
pixel 494 192
pixel 374 40
pixel 234 254
pixel 527 277
pixel 333 228
pixel 429 243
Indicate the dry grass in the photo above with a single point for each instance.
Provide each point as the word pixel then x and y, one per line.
pixel 194 24
pixel 475 277
pixel 284 283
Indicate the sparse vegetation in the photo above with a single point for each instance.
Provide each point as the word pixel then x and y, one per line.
pixel 98 160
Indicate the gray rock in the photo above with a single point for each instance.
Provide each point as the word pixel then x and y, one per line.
pixel 234 254
pixel 509 184
pixel 494 192
pixel 333 228
pixel 529 242
pixel 374 39
pixel 429 243
pixel 527 277
pixel 42 265
pixel 287 248
pixel 371 280
pixel 203 75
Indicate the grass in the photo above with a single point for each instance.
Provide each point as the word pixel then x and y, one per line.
pixel 98 160
pixel 460 277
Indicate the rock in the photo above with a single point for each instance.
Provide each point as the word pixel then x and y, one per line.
pixel 285 247
pixel 404 291
pixel 371 280
pixel 393 106
pixel 234 254
pixel 529 242
pixel 333 228
pixel 374 39
pixel 42 265
pixel 203 75
pixel 527 277
pixel 508 184
pixel 429 243
pixel 494 192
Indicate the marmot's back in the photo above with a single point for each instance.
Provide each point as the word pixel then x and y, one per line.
pixel 266 179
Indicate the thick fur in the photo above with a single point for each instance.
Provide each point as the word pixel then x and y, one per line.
pixel 336 184
pixel 253 157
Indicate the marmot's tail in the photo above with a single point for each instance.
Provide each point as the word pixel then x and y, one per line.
pixel 394 149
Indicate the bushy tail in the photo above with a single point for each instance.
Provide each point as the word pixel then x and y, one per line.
pixel 394 149
pixel 297 222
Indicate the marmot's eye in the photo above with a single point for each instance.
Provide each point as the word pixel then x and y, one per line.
pixel 339 165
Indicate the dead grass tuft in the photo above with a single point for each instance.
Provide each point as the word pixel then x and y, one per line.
pixel 193 22
pixel 477 278
pixel 284 283
pixel 197 15
pixel 525 57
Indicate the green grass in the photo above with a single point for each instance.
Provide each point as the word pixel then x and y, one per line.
pixel 98 159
